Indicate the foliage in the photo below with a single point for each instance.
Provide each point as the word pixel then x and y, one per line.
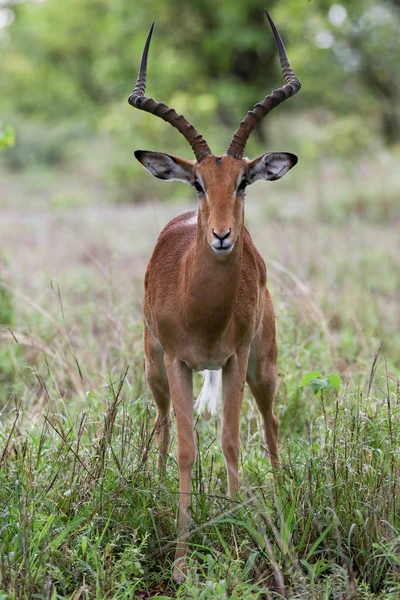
pixel 74 72
pixel 98 45
pixel 7 137
pixel 87 501
pixel 39 145
pixel 318 383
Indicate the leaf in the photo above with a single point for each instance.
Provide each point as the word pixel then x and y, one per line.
pixel 44 530
pixel 308 377
pixel 335 381
pixel 249 564
pixel 65 532
pixel 319 540
pixel 320 384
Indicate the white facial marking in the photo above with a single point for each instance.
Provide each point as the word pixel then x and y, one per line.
pixel 199 177
pixel 222 251
pixel 239 181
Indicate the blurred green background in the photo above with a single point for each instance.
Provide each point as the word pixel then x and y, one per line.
pixel 67 70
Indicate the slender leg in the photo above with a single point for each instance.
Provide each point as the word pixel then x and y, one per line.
pixel 233 380
pixel 181 386
pixel 157 380
pixel 261 378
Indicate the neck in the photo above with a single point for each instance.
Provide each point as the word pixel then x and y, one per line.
pixel 211 284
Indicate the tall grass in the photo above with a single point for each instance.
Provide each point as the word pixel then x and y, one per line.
pixel 84 512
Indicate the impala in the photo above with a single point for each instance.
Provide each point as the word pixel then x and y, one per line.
pixel 206 304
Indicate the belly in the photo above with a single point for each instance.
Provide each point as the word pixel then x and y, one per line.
pixel 209 365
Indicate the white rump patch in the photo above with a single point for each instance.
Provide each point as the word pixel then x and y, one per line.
pixel 210 392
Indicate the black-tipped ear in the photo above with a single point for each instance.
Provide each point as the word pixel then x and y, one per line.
pixel 271 166
pixel 165 166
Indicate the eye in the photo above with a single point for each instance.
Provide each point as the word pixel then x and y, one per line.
pixel 242 185
pixel 198 187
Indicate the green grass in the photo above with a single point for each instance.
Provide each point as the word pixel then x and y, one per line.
pixel 83 511
pixel 83 508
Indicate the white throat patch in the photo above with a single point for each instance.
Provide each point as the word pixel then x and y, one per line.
pixel 192 220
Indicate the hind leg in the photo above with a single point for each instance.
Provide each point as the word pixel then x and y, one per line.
pixel 261 378
pixel 157 380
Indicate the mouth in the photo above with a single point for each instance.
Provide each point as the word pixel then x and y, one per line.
pixel 222 248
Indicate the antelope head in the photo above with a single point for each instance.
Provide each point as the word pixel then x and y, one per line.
pixel 220 181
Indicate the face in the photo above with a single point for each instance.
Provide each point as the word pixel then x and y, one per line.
pixel 220 183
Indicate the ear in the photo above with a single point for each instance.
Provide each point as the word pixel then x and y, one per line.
pixel 271 166
pixel 165 166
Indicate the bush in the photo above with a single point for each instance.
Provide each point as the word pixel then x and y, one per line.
pixel 39 144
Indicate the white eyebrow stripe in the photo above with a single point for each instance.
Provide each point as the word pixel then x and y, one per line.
pixel 239 179
pixel 199 177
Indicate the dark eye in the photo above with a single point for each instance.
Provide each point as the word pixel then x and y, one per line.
pixel 198 187
pixel 242 185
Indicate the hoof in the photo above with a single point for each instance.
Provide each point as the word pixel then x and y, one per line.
pixel 178 577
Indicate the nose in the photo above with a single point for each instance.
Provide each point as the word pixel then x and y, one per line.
pixel 222 236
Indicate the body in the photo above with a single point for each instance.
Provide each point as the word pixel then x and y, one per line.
pixel 205 330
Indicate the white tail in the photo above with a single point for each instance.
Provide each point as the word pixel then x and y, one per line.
pixel 210 392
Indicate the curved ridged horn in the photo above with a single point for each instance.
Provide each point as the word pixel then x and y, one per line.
pixel 140 101
pixel 254 116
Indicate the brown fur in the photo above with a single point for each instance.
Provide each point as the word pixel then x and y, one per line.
pixel 202 309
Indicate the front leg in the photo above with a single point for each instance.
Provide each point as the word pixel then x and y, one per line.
pixel 233 380
pixel 181 388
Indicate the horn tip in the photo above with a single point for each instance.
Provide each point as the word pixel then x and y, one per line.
pixel 273 26
pixel 150 31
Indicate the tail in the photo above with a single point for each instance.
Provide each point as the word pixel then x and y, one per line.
pixel 210 392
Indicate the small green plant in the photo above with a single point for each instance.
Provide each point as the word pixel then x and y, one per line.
pixel 7 137
pixel 129 568
pixel 318 383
